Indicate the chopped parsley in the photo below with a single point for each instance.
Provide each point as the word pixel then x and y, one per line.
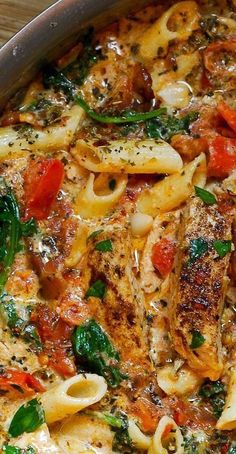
pixel 222 247
pixel 207 197
pixel 197 339
pixel 97 289
pixel 165 126
pixel 95 352
pixel 104 246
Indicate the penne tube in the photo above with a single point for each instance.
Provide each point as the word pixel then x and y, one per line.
pixel 158 36
pixel 167 432
pixel 72 395
pixel 174 190
pixel 181 382
pixel 128 156
pixel 139 440
pixel 16 140
pixel 89 204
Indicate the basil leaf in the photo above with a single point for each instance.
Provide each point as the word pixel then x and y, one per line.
pixel 28 418
pixel 104 246
pixel 94 350
pixel 197 339
pixel 222 247
pixel 97 289
pixel 207 197
pixel 94 234
pixel 197 248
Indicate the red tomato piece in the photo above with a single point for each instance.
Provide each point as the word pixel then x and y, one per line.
pixel 222 156
pixel 163 254
pixel 43 180
pixel 20 381
pixel 215 61
pixel 56 338
pixel 229 115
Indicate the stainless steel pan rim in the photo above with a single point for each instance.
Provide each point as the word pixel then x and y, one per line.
pixel 49 34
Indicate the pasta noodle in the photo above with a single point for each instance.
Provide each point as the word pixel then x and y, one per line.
pixel 139 440
pixel 14 142
pixel 227 420
pixel 72 395
pixel 91 205
pixel 181 382
pixel 130 156
pixel 163 437
pixel 159 35
pixel 171 192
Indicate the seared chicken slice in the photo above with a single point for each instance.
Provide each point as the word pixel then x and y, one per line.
pixel 121 312
pixel 200 284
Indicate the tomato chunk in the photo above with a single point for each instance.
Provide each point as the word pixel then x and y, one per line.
pixel 19 381
pixel 163 254
pixel 43 180
pixel 229 115
pixel 222 157
pixel 215 61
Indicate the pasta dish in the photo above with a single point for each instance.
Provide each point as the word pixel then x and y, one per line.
pixel 117 241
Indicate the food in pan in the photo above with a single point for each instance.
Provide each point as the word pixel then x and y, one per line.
pixel 117 251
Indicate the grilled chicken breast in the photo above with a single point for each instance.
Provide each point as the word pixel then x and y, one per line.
pixel 199 285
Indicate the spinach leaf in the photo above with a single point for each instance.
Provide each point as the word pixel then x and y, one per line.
pixel 11 231
pixel 28 418
pixel 165 126
pixel 104 246
pixel 95 352
pixel 207 197
pixel 232 449
pixel 19 326
pixel 122 441
pixel 28 228
pixel 214 392
pixel 8 449
pixel 222 247
pixel 55 78
pixel 197 339
pixel 97 289
pixel 197 248
pixel 94 234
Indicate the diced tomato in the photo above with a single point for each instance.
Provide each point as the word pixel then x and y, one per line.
pixel 56 338
pixel 229 115
pixel 214 58
pixel 147 414
pixel 19 381
pixel 167 430
pixel 225 448
pixel 222 156
pixel 163 254
pixel 43 180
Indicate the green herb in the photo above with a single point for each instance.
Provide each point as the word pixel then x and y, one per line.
pixel 207 197
pixel 104 246
pixel 55 78
pixel 197 248
pixel 94 234
pixel 165 126
pixel 28 228
pixel 232 449
pixel 7 449
pixel 17 325
pixel 215 393
pixel 197 339
pixel 122 441
pixel 97 289
pixel 95 352
pixel 28 418
pixel 125 117
pixel 112 184
pixel 108 418
pixel 11 230
pixel 222 247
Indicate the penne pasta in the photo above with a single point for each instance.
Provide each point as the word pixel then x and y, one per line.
pixel 72 395
pixel 181 382
pixel 129 156
pixel 139 440
pixel 167 433
pixel 92 205
pixel 174 190
pixel 158 36
pixel 17 140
